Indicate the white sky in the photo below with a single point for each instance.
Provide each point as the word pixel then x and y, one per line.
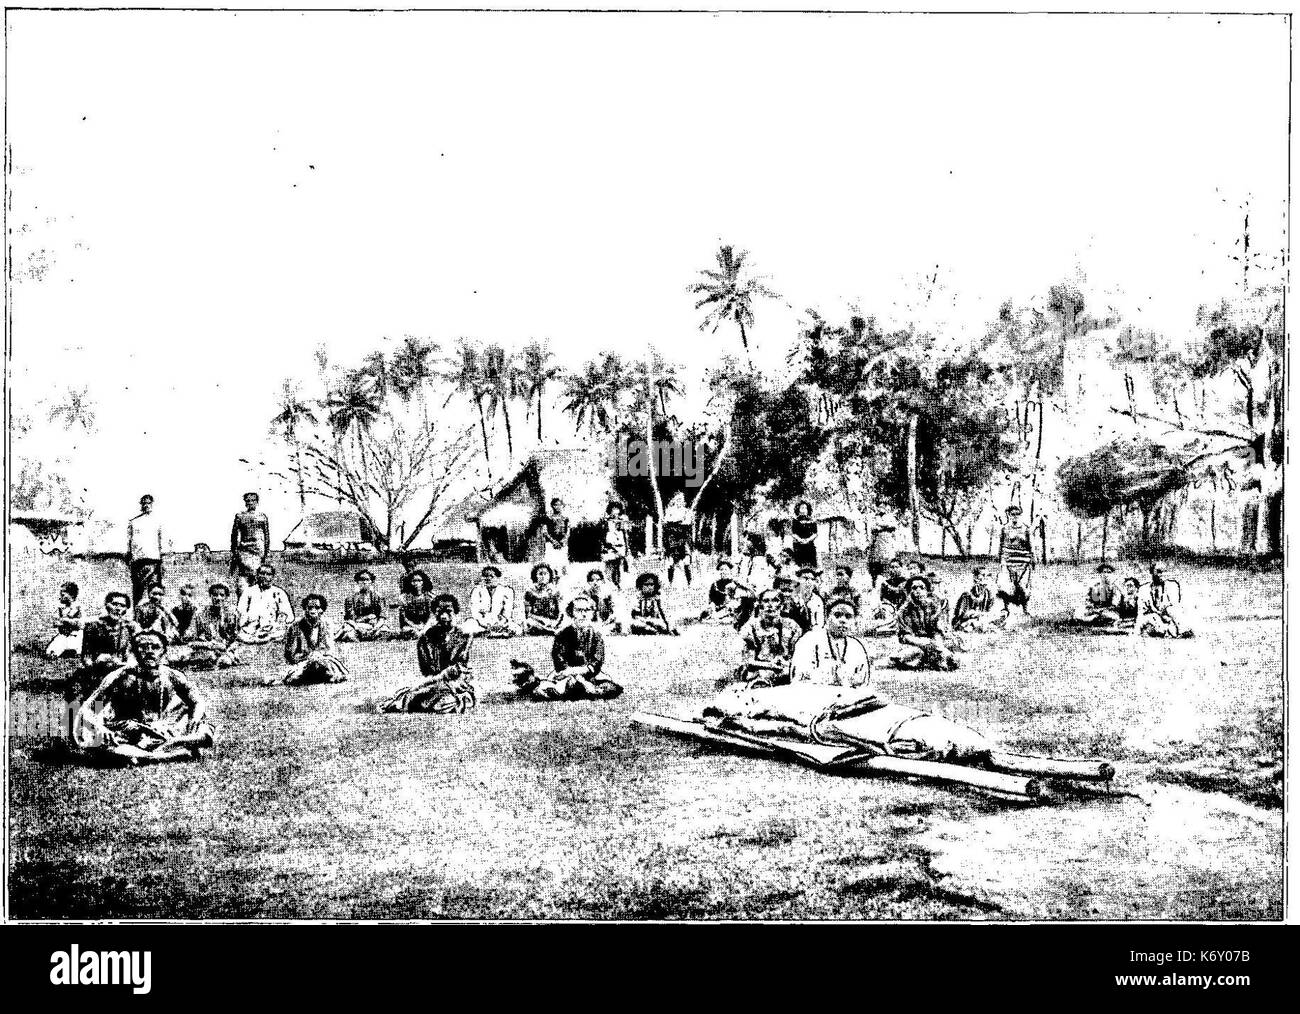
pixel 512 176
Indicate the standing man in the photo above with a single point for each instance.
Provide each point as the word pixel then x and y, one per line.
pixel 144 549
pixel 1016 561
pixel 613 552
pixel 554 529
pixel 250 542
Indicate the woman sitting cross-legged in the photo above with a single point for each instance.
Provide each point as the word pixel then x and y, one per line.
pixel 146 712
pixel 363 612
pixel 578 656
pixel 415 608
pixel 923 630
pixel 443 655
pixel 647 616
pixel 542 602
pixel 309 648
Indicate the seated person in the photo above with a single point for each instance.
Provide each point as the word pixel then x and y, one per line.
pixel 978 609
pixel 264 610
pixel 542 602
pixel 829 654
pixel 923 629
pixel 844 587
pixel 492 607
pixel 808 596
pixel 415 607
pixel 152 614
pixel 938 592
pixel 443 656
pixel 309 648
pixel 1160 608
pixel 608 618
pixel 67 624
pixel 1100 599
pixel 1129 602
pixel 767 643
pixel 363 612
pixel 891 594
pixel 784 565
pixel 647 616
pixel 406 583
pixel 106 642
pixel 723 595
pixel 791 606
pixel 184 613
pixel 213 636
pixel 578 657
pixel 146 712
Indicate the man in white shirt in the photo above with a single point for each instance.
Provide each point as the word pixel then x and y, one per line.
pixel 144 550
pixel 492 607
pixel 265 611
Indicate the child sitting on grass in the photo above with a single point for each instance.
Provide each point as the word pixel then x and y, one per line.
pixel 648 615
pixel 67 624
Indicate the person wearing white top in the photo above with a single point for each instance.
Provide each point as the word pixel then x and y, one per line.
pixel 492 607
pixel 265 611
pixel 144 550
pixel 830 654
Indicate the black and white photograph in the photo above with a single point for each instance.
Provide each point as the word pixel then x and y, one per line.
pixel 645 466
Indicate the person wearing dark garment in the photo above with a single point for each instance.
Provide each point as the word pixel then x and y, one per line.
pixel 647 615
pixel 803 535
pixel 363 612
pixel 883 549
pixel 185 612
pixel 844 588
pixel 309 648
pixel 977 608
pixel 215 632
pixel 250 542
pixel 678 549
pixel 1098 606
pixel 443 655
pixel 152 614
pixel 416 608
pixel 723 595
pixel 106 642
pixel 767 643
pixel 609 617
pixel 578 660
pixel 923 630
pixel 542 602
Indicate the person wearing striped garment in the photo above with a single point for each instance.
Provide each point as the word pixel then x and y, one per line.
pixel 1016 563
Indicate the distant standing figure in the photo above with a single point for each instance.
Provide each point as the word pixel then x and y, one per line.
pixel 250 540
pixel 883 549
pixel 803 535
pixel 144 550
pixel 554 529
pixel 1016 562
pixel 613 553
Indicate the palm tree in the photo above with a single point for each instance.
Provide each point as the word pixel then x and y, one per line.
pixel 410 371
pixel 467 374
pixel 654 380
pixel 376 367
pixel 594 395
pixel 730 296
pixel 502 381
pixel 535 372
pixel 294 412
pixel 353 407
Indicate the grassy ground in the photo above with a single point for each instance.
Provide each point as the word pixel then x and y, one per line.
pixel 314 806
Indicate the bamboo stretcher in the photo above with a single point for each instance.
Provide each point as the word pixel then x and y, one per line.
pixel 1015 776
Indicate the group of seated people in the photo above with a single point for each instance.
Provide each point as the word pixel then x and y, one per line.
pixel 1151 610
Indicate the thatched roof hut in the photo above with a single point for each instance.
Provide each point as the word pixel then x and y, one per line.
pixel 578 476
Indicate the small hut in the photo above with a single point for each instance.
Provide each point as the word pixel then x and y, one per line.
pixel 331 531
pixel 578 476
pixel 47 532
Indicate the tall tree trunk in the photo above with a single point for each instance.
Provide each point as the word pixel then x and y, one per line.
pixel 510 439
pixel 482 422
pixel 735 532
pixel 297 466
pixel 744 341
pixel 1105 532
pixel 913 493
pixel 651 451
pixel 539 414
